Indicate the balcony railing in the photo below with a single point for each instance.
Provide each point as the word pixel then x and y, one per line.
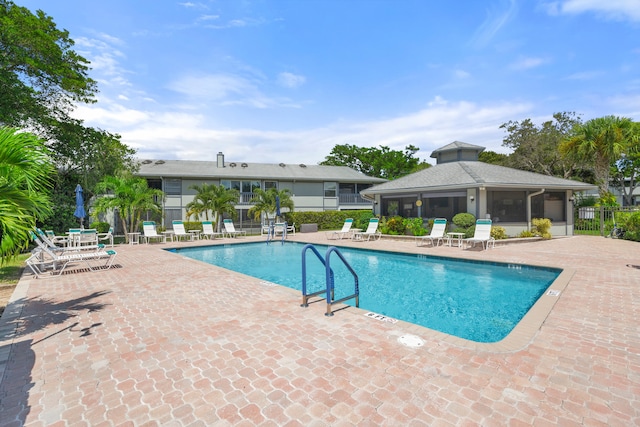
pixel 353 199
pixel 246 198
pixel 344 199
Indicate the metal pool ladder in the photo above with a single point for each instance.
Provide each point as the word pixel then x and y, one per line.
pixel 329 278
pixel 271 235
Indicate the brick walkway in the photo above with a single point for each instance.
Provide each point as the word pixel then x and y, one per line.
pixel 167 341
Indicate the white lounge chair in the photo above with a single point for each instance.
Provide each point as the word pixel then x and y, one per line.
pixel 345 232
pixel 481 235
pixel 87 237
pixel 179 232
pixel 150 233
pixel 265 228
pixel 107 236
pixel 437 233
pixel 371 231
pixel 45 262
pixel 291 229
pixel 280 228
pixel 60 241
pixel 207 230
pixel 230 229
pixel 51 244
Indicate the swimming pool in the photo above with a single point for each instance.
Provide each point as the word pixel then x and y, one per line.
pixel 475 300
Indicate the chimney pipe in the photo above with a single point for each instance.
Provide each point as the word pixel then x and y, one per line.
pixel 220 159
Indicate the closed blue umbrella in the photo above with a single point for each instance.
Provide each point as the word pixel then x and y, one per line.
pixel 79 213
pixel 277 206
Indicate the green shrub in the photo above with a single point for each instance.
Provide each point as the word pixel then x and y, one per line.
pixel 192 225
pixel 526 233
pixel 607 199
pixel 330 220
pixel 101 227
pixel 582 200
pixel 464 220
pixel 631 226
pixel 541 227
pixel 394 226
pixel 414 226
pixel 498 232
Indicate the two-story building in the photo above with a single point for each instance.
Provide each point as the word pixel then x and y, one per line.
pixel 314 187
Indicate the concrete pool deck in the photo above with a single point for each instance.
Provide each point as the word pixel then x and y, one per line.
pixel 169 341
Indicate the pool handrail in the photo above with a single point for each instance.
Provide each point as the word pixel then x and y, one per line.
pixel 271 234
pixel 330 298
pixel 305 296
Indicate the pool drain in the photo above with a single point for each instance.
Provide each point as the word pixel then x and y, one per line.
pixel 411 341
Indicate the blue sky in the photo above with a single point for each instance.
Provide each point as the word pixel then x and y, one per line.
pixel 287 80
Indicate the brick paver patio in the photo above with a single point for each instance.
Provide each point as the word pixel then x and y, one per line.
pixel 168 341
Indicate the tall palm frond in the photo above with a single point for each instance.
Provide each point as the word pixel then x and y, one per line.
pixel 25 180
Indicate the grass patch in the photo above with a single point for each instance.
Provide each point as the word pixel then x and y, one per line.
pixel 11 270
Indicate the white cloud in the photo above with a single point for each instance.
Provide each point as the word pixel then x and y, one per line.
pixel 191 136
pixel 291 80
pixel 609 9
pixel 228 89
pixel 209 17
pixel 105 59
pixel 110 116
pixel 461 74
pixel 526 63
pixel 237 23
pixel 213 86
pixel 494 22
pixel 585 75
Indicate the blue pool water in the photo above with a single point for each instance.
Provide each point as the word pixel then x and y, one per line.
pixel 478 301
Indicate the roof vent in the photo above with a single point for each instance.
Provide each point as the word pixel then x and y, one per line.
pixel 159 162
pixel 232 164
pixel 244 165
pixel 302 165
pixel 145 162
pixel 282 165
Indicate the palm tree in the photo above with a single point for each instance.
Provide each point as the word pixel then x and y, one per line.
pixel 202 202
pixel 25 181
pixel 264 202
pixel 602 141
pixel 131 196
pixel 222 201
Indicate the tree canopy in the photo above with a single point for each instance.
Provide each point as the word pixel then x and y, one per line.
pixel 42 79
pixel 601 142
pixel 535 147
pixel 41 76
pixel 380 162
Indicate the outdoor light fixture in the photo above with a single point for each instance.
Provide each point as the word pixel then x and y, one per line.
pixel 472 198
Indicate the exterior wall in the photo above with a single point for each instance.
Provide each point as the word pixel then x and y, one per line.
pixel 557 229
pixel 472 202
pixel 173 202
pixel 476 199
pixel 308 203
pixel 307 196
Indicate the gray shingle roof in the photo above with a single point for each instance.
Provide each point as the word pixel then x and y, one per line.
pixel 459 175
pixel 241 170
pixel 456 145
